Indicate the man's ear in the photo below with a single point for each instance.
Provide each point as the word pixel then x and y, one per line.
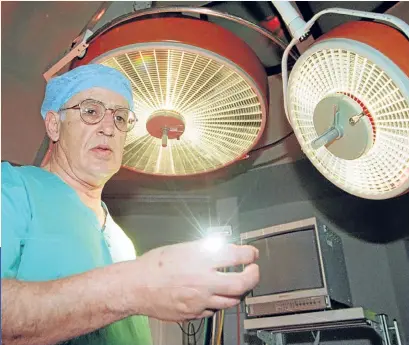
pixel 53 125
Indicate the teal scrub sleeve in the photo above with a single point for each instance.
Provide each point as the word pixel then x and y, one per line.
pixel 15 218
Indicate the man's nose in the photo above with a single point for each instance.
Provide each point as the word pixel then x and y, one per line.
pixel 108 123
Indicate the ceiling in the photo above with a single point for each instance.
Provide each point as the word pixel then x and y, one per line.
pixel 36 34
pixel 33 35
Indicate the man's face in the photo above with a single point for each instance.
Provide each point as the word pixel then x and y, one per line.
pixel 94 152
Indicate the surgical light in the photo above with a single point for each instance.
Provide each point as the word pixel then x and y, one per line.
pixel 200 93
pixel 347 99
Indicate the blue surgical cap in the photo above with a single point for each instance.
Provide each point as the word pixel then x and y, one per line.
pixel 60 89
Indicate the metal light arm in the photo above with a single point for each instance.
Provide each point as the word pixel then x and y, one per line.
pixel 291 18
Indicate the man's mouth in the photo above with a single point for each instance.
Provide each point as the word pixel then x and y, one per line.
pixel 102 150
pixel 103 147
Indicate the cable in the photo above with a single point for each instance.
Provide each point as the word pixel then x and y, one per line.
pixel 238 320
pixel 191 325
pixel 188 332
pixel 191 330
pixel 238 324
pixel 316 337
pixel 207 331
pixel 274 143
pixel 220 330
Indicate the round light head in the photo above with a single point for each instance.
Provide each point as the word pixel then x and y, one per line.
pixel 370 88
pixel 199 94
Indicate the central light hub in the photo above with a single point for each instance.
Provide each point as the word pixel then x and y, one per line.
pixel 165 124
pixel 356 136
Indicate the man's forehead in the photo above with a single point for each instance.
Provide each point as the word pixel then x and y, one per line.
pixel 61 89
pixel 108 97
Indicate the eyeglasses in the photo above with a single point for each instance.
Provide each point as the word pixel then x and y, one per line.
pixel 93 111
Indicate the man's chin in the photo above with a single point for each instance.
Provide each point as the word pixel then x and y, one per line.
pixel 103 172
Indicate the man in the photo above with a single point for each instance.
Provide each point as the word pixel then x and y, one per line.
pixel 69 273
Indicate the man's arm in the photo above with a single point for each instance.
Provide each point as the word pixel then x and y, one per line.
pixel 172 283
pixel 53 311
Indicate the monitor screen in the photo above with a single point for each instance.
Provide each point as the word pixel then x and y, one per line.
pixel 288 262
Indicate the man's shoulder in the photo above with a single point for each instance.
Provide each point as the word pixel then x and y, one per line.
pixel 10 174
pixel 16 174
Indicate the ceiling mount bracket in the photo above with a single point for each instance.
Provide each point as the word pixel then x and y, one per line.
pixel 77 51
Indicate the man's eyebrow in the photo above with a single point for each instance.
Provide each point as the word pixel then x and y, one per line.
pixel 116 106
pixel 110 106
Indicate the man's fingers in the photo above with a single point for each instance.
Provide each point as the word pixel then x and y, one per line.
pixel 222 302
pixel 230 255
pixel 206 313
pixel 234 255
pixel 236 284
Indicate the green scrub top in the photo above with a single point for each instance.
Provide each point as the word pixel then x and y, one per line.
pixel 49 233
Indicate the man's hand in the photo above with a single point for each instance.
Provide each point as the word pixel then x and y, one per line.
pixel 182 281
pixel 172 283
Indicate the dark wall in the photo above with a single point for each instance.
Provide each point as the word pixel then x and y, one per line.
pixel 378 221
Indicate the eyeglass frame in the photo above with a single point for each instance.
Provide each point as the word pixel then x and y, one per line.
pixel 78 107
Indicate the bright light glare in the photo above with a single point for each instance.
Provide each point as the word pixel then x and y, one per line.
pixel 214 242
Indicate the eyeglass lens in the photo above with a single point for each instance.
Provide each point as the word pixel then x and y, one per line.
pixel 93 111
